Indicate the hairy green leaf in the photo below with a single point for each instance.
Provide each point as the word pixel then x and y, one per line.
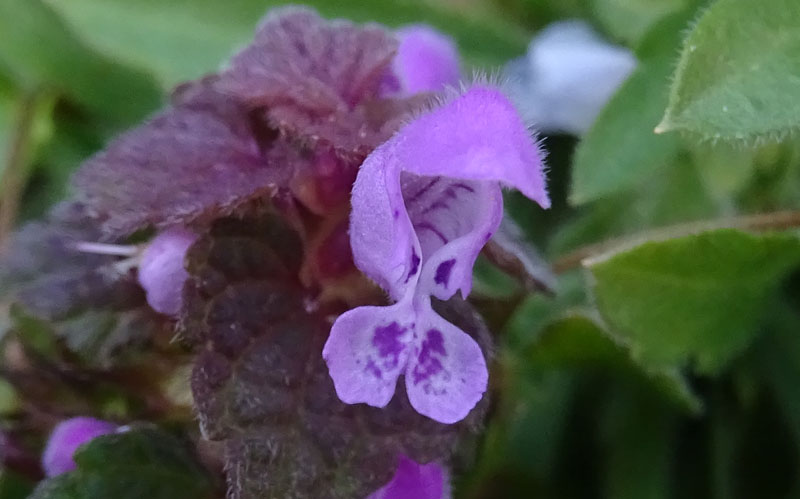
pixel 139 463
pixel 693 298
pixel 738 73
pixel 629 20
pixel 621 150
pixel 578 340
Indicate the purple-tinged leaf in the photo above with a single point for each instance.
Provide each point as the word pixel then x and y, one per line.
pixel 97 310
pixel 260 383
pixel 318 80
pixel 203 157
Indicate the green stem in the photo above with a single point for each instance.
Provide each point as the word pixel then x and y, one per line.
pixel 779 220
pixel 12 185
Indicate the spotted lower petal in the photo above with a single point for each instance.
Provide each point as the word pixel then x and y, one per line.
pixel 367 350
pixel 447 375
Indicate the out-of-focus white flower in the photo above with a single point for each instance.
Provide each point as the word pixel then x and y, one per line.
pixel 567 76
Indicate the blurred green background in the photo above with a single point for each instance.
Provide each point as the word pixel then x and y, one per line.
pixel 580 411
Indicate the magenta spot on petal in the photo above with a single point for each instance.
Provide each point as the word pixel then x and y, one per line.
pixel 443 272
pixel 373 369
pixel 414 265
pixel 387 341
pixel 428 363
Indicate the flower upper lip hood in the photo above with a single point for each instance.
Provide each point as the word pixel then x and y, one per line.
pixel 423 205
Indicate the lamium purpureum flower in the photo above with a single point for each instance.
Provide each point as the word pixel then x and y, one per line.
pixel 414 480
pixel 426 61
pixel 65 439
pixel 161 270
pixel 423 206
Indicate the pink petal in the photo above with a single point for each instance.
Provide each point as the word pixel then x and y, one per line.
pixel 161 270
pixel 65 439
pixel 366 352
pixel 426 60
pixel 415 481
pixel 447 374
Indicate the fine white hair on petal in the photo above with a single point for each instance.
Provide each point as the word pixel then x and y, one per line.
pixel 507 83
pixel 567 76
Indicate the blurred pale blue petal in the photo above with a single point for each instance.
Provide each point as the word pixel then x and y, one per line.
pixel 567 76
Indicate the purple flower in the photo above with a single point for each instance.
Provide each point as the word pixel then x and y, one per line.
pixel 161 271
pixel 424 204
pixel 426 61
pixel 420 481
pixel 66 438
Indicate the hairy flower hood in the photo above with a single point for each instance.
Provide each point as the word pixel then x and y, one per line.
pixel 424 204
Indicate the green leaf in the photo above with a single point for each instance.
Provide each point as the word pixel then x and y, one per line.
pixel 140 463
pixel 629 20
pixel 578 340
pixel 738 73
pixel 697 297
pixel 40 50
pixel 621 150
pixel 7 114
pixel 14 486
pixel 181 40
pixel 778 361
pixel 679 195
pixel 638 435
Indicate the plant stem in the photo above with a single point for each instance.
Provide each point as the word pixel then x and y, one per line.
pixel 779 220
pixel 15 175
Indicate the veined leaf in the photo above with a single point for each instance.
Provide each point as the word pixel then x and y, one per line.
pixel 739 72
pixel 693 298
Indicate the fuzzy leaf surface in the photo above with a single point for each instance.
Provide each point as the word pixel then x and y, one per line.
pixel 737 78
pixel 131 465
pixel 694 298
pixel 55 291
pixel 621 150
pixel 201 158
pixel 260 383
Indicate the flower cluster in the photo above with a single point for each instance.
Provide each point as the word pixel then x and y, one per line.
pixel 358 141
